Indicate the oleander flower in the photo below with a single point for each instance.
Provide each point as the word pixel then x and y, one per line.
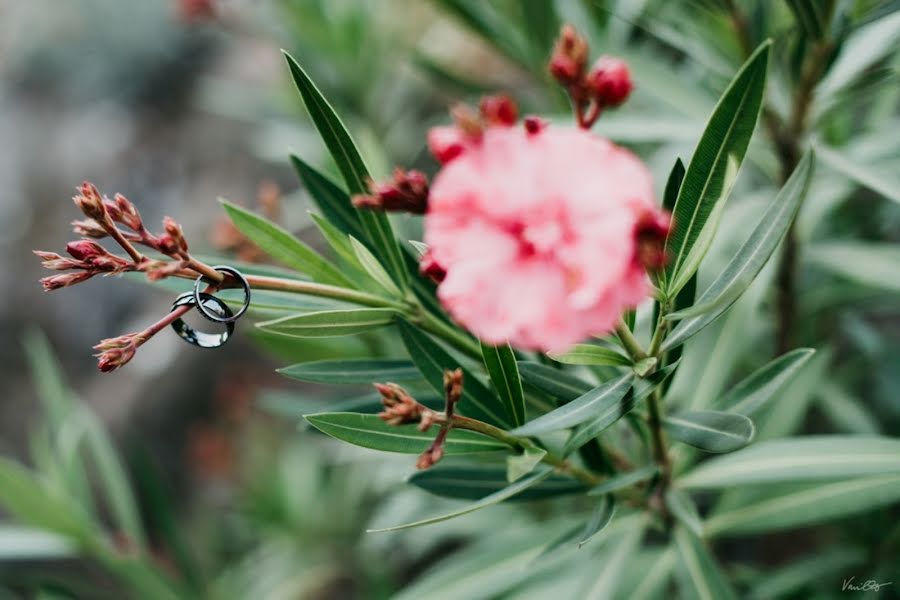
pixel 542 234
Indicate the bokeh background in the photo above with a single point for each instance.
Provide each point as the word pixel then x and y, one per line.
pixel 174 107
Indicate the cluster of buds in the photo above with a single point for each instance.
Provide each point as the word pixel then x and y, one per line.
pixel 650 236
pixel 446 143
pixel 606 85
pixel 119 220
pixel 406 192
pixel 400 409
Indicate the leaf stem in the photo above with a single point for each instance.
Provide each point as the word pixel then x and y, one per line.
pixel 632 346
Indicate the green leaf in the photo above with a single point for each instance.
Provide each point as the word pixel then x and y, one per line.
pixel 752 256
pixel 374 268
pixel 816 504
pixel 331 323
pixel 519 465
pixel 353 169
pixel 483 19
pixel 477 402
pixel 603 399
pixel 864 48
pixel 541 25
pixel 670 197
pixel 701 577
pixel 752 393
pixel 282 246
pixel 338 240
pixel 609 577
pixel 624 480
pixel 655 581
pixel 600 518
pixel 370 431
pixel 714 166
pixel 847 412
pixel 882 181
pixel 591 354
pixel 683 508
pixel 329 198
pixel 31 544
pixel 872 264
pixel 555 383
pixel 811 16
pixel 473 482
pixel 710 430
pixel 500 362
pixel 787 581
pixel 357 371
pixel 798 459
pixel 495 498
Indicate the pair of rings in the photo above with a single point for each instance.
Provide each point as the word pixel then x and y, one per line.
pixel 213 308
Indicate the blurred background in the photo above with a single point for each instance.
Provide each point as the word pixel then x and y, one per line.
pixel 177 103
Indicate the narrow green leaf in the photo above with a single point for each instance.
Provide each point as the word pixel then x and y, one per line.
pixel 752 393
pixel 882 181
pixel 591 354
pixel 338 240
pixel 331 323
pixel 495 498
pixel 329 198
pixel 808 506
pixel 31 543
pixel 752 256
pixel 500 362
pixel 799 459
pixel 701 577
pixel 374 268
pixel 710 430
pixel 555 383
pixel 863 49
pixel 477 402
pixel 483 20
pixel 541 25
pixel 809 16
pixel 354 371
pixel 787 581
pixel 624 480
pixel 519 465
pixel 282 246
pixel 873 264
pixel 683 508
pixel 655 581
pixel 714 166
pixel 609 577
pixel 847 412
pixel 600 400
pixel 600 518
pixel 370 431
pixel 474 482
pixel 670 196
pixel 353 169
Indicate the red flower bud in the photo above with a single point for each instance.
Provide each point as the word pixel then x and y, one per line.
pixel 534 125
pixel 499 110
pixel 446 143
pixel 650 235
pixel 431 269
pixel 407 192
pixel 609 81
pixel 569 58
pixel 89 228
pixel 55 282
pixel 175 242
pixel 85 250
pixel 90 202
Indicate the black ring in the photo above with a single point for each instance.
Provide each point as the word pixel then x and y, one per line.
pixel 218 318
pixel 201 338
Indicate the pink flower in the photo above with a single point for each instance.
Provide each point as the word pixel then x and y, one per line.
pixel 537 233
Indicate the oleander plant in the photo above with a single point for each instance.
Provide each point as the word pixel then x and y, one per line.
pixel 633 322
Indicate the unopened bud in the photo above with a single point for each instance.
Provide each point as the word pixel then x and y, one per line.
pixel 609 82
pixel 430 457
pixel 128 215
pixel 534 125
pixel 56 282
pixel 446 143
pixel 650 236
pixel 467 121
pixel 499 110
pixel 176 236
pixel 90 202
pixel 85 250
pixel 89 228
pixel 569 58
pixel 407 192
pixel 430 268
pixel 55 262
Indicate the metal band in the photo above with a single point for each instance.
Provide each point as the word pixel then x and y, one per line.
pixel 217 317
pixel 203 339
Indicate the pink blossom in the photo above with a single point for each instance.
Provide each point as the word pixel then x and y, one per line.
pixel 537 234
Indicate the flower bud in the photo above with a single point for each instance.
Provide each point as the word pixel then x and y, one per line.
pixel 650 236
pixel 408 192
pixel 176 242
pixel 89 228
pixel 446 143
pixel 430 457
pixel 90 202
pixel 55 262
pixel 569 58
pixel 117 351
pixel 430 268
pixel 85 250
pixel 534 125
pixel 609 82
pixel 55 282
pixel 399 407
pixel 127 214
pixel 499 109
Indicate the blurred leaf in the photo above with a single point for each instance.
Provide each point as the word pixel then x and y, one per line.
pixel 541 26
pixel 591 354
pixel 331 200
pixel 26 543
pixel 847 413
pixel 370 431
pixel 653 585
pixel 788 580
pixel 353 169
pixel 483 19
pixel 477 402
pixel 701 577
pixel 519 465
pixel 882 181
pixel 749 259
pixel 489 500
pixel 624 480
pixel 683 508
pixel 609 576
pixel 500 362
pixel 811 16
pixel 864 48
pixel 873 264
pixel 601 400
pixel 798 459
pixel 710 430
pixel 714 167
pixel 553 382
pixel 330 323
pixel 820 503
pixel 359 371
pixel 374 268
pixel 473 482
pixel 600 518
pixel 283 247
pixel 755 391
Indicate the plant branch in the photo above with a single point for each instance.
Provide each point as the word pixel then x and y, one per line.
pixel 632 346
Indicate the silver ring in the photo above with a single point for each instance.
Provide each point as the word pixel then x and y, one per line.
pixel 217 317
pixel 203 339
